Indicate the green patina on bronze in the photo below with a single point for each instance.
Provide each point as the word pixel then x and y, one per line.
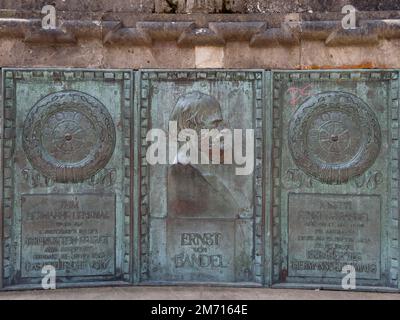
pixel 77 191
pixel 67 198
pixel 201 223
pixel 335 176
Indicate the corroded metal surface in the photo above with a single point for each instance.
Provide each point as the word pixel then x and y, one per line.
pixel 79 192
pixel 335 198
pixel 73 233
pixel 199 222
pixel 328 231
pixel 67 166
pixel 202 250
pixel 69 136
pixel 334 137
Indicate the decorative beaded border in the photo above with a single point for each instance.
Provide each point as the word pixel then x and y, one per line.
pixel 146 78
pixel 10 76
pixel 389 75
pixel 8 180
pixel 394 174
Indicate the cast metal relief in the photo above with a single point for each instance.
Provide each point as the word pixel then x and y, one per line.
pixel 334 166
pixel 199 221
pixel 323 192
pixel 69 136
pixel 195 191
pixel 334 136
pixel 328 231
pixel 68 173
pixel 192 190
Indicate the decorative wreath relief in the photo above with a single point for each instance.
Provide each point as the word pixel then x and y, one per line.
pixel 334 136
pixel 69 136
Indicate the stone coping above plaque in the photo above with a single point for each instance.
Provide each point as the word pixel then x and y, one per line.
pixel 190 31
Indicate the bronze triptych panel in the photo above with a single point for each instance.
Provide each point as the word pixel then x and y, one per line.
pixel 109 175
pixel 66 159
pixel 335 173
pixel 201 222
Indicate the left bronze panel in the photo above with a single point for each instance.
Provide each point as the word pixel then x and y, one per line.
pixel 66 183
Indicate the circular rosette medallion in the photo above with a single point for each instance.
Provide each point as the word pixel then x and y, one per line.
pixel 68 136
pixel 334 136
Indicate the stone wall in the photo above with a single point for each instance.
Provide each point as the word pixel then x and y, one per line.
pixel 126 40
pixel 208 6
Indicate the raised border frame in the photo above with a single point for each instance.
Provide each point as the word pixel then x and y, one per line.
pixel 7 108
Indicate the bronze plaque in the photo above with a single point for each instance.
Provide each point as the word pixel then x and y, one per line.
pixel 335 177
pixel 201 250
pixel 201 221
pixel 67 178
pixel 327 232
pixel 73 233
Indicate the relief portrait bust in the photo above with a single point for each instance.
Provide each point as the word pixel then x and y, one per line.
pixel 195 190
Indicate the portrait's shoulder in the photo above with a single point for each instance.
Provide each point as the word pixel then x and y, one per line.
pixel 182 169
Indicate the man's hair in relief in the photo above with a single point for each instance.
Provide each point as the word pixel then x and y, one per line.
pixel 193 108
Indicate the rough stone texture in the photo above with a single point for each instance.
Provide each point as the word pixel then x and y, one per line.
pixel 209 57
pixel 140 6
pixel 318 5
pixel 167 54
pixel 208 6
pixel 238 54
pixel 314 55
pixel 93 54
pixel 169 41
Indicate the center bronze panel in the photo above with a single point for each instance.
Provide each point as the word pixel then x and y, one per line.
pixel 199 221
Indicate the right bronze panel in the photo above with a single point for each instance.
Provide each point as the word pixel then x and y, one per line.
pixel 335 178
